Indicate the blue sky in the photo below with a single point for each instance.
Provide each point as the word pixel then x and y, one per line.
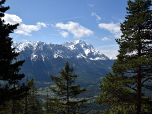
pixel 96 22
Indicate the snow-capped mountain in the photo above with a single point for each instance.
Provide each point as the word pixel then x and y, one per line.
pixel 41 50
pixel 43 59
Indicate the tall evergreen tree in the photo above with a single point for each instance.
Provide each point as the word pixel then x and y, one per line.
pixel 51 105
pixel 30 104
pixel 8 70
pixel 133 67
pixel 31 101
pixel 65 91
pixel 14 105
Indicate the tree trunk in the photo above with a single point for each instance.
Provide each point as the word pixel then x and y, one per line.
pixel 139 78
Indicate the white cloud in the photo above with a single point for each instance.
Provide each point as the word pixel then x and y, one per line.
pixel 22 28
pixel 111 54
pixel 64 34
pixel 12 19
pixel 91 5
pixel 41 24
pixel 75 28
pixel 105 38
pixel 113 28
pixel 111 51
pixel 27 29
pixel 22 32
pixel 98 18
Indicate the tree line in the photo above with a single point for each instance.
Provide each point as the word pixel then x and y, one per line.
pixel 122 88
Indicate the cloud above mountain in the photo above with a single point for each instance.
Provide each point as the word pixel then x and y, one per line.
pixel 75 28
pixel 64 34
pixel 111 54
pixel 12 19
pixel 112 27
pixel 22 28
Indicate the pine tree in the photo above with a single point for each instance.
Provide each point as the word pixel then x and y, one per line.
pixel 15 103
pixel 133 66
pixel 13 106
pixel 31 101
pixel 51 107
pixel 47 104
pixel 65 91
pixel 30 104
pixel 8 70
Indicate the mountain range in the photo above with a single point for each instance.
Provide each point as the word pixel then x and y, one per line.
pixel 41 50
pixel 45 59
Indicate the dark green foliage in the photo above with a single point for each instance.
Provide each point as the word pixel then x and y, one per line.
pixel 120 110
pixel 65 91
pixel 124 109
pixel 31 101
pixel 30 104
pixel 12 106
pixel 8 70
pixel 133 67
pixel 51 107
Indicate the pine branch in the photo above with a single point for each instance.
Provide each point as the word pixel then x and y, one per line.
pixel 121 97
pixel 146 80
pixel 131 87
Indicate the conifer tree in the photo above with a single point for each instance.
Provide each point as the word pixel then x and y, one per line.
pixel 31 101
pixel 8 70
pixel 51 105
pixel 15 104
pixel 65 91
pixel 133 67
pixel 47 104
pixel 30 104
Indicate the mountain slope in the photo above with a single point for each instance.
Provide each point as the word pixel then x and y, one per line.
pixel 40 50
pixel 43 59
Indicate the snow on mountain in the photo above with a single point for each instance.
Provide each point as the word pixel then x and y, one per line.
pixel 41 50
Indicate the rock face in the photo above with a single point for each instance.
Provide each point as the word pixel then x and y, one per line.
pixel 43 59
pixel 41 50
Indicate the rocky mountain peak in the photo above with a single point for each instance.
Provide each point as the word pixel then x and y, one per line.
pixel 41 50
